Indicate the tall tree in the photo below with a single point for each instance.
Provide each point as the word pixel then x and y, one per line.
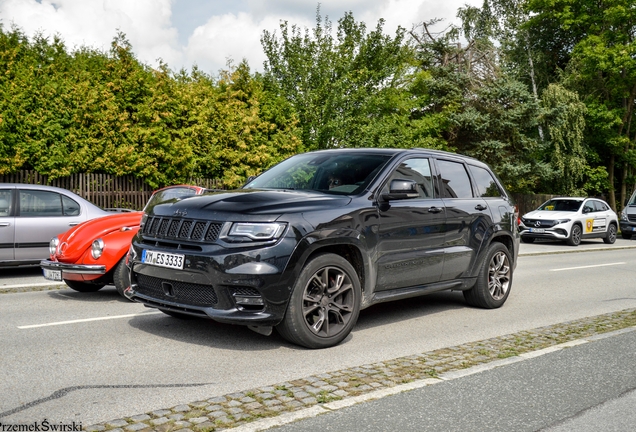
pixel 593 43
pixel 350 88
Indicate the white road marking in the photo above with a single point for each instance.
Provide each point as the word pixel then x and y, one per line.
pixel 87 320
pixel 589 266
pixel 37 284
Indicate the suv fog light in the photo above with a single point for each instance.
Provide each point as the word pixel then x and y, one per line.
pixel 97 248
pixel 249 301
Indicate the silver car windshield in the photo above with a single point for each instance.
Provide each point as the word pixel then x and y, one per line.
pixel 341 173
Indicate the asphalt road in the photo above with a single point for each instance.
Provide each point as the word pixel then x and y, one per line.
pixel 92 357
pixel 585 388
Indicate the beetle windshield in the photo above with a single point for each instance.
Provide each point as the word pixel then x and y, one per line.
pixel 568 205
pixel 170 194
pixel 336 173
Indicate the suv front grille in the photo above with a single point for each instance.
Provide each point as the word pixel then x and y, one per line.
pixel 631 217
pixel 181 229
pixel 178 292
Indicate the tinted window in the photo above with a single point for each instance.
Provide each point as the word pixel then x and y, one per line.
pixel 600 206
pixel 71 208
pixel 40 203
pixel 588 207
pixel 5 202
pixel 455 180
pixel 418 170
pixel 485 183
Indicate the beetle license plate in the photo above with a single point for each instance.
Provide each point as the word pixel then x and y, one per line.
pixel 162 259
pixel 54 275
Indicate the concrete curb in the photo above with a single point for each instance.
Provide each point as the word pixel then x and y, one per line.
pixel 282 403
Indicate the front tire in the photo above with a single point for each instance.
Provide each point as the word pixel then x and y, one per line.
pixel 626 235
pixel 121 277
pixel 575 235
pixel 83 286
pixel 494 280
pixel 324 304
pixel 610 238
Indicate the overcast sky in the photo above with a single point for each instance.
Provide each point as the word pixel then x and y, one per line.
pixel 203 32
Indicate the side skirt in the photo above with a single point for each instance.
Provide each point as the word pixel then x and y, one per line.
pixel 416 291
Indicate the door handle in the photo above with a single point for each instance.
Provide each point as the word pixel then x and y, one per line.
pixel 4 224
pixel 434 210
pixel 480 207
pixel 73 223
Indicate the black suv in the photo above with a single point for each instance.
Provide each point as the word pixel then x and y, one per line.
pixel 312 241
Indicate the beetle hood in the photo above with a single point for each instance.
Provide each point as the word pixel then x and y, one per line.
pixel 74 242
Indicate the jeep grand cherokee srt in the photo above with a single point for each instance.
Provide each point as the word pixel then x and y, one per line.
pixel 309 243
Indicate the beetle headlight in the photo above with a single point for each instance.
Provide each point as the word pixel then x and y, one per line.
pixel 53 245
pixel 257 231
pixel 97 248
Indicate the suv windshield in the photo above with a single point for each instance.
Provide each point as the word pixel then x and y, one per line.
pixel 336 173
pixel 561 205
pixel 170 194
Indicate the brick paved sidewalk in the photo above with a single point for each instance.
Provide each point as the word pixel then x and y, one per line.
pixel 228 411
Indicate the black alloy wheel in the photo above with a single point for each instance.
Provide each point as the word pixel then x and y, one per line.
pixel 324 305
pixel 494 280
pixel 121 277
pixel 610 238
pixel 575 235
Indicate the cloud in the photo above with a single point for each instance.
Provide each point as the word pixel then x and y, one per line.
pixel 95 23
pixel 231 31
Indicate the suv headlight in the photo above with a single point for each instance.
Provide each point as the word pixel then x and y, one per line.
pixel 560 221
pixel 97 248
pixel 624 215
pixel 257 231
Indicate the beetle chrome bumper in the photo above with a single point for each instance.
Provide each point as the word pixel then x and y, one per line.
pixel 87 269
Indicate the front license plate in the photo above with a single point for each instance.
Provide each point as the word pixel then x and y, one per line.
pixel 162 259
pixel 54 275
pixel 633 228
pixel 537 230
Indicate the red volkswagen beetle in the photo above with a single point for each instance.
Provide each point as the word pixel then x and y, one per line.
pixel 93 254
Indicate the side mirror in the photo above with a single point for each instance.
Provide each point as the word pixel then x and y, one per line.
pixel 401 189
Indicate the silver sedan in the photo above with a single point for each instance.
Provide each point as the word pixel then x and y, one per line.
pixel 30 215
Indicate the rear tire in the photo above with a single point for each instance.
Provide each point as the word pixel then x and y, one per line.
pixel 83 286
pixel 324 303
pixel 494 280
pixel 610 238
pixel 575 236
pixel 121 277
